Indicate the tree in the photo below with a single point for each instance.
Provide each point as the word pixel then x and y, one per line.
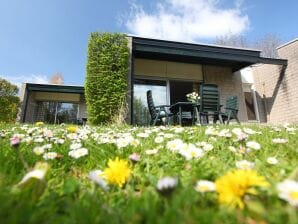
pixel 232 40
pixel 56 78
pixel 267 44
pixel 9 101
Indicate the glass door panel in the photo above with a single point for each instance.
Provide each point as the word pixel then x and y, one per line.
pixel 141 114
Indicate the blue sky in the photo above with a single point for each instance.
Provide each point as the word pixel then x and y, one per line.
pixel 41 37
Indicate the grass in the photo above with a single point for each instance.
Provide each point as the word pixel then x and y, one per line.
pixel 67 194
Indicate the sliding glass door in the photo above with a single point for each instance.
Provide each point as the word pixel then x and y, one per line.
pixel 56 112
pixel 159 88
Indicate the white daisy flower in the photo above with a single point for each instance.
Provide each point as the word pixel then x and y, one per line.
pixel 166 183
pixel 98 177
pixel 175 145
pixel 272 160
pixel 244 165
pixel 39 172
pixel 158 139
pixel 143 135
pixel 253 145
pixel 249 131
pixel 151 151
pixel 77 153
pixel 279 140
pixel 76 145
pixel 50 155
pixel 288 191
pixel 205 186
pixel 38 150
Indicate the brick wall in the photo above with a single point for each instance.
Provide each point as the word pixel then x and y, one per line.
pixel 229 83
pixel 277 89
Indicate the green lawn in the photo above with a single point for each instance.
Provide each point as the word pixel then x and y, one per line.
pixel 74 182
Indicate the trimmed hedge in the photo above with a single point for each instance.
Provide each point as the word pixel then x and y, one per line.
pixel 106 78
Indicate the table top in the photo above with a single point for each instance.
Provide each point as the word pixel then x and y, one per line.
pixel 185 106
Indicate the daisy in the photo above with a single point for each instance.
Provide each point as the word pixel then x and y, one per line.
pixel 244 165
pixel 98 177
pixel 288 191
pixel 279 140
pixel 50 155
pixel 77 153
pixel 205 186
pixel 272 160
pixel 253 145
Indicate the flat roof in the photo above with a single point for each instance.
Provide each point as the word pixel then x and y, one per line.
pixel 54 88
pixel 236 58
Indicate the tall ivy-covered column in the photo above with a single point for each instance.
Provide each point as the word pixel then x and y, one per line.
pixel 106 78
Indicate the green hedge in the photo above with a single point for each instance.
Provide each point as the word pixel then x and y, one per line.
pixel 107 68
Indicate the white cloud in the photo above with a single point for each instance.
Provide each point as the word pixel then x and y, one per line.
pixel 19 79
pixel 187 20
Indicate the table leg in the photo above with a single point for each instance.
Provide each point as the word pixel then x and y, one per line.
pixel 180 116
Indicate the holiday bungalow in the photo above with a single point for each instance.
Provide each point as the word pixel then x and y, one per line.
pixel 170 69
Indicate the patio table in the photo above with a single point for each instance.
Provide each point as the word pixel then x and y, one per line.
pixel 178 108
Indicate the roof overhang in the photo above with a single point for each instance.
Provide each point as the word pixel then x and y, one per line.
pixel 54 88
pixel 236 58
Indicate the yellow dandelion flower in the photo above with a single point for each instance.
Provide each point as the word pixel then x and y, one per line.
pixel 39 123
pixel 117 172
pixel 235 184
pixel 72 129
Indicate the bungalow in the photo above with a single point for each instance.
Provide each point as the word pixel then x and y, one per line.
pixel 170 69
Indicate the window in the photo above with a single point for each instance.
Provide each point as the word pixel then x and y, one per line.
pixel 56 112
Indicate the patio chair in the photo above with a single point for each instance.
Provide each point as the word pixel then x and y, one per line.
pixel 231 110
pixel 209 103
pixel 159 114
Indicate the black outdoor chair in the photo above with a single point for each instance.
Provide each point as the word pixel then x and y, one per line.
pixel 231 110
pixel 209 103
pixel 157 113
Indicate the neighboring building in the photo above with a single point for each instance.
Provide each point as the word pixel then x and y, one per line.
pixel 52 103
pixel 277 87
pixel 170 69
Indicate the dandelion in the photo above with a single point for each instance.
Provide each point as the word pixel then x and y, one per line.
pixel 253 145
pixel 98 177
pixel 233 186
pixel 288 191
pixel 72 129
pixel 272 160
pixel 77 153
pixel 39 123
pixel 117 172
pixel 205 186
pixel 244 165
pixel 279 140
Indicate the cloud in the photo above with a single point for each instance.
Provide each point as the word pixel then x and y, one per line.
pixel 187 20
pixel 19 79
